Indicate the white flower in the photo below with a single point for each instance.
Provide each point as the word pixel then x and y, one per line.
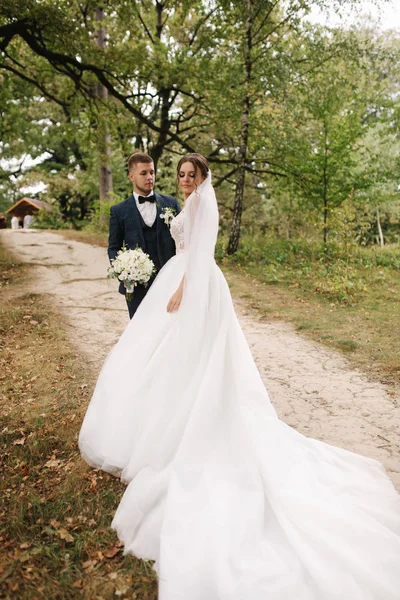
pixel 167 215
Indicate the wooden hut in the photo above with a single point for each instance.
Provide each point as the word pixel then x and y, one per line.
pixel 27 206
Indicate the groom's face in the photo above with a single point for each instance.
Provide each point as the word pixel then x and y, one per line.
pixel 142 177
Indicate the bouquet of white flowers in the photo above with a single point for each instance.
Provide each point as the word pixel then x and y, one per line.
pixel 132 267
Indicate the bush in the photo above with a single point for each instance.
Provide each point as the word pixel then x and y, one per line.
pixel 45 219
pixel 100 214
pixel 339 281
pixel 336 271
pixel 389 256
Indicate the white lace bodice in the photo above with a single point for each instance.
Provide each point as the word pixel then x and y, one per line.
pixel 177 231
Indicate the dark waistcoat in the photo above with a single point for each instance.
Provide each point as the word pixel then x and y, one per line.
pixel 150 240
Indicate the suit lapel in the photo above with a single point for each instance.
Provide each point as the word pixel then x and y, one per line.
pixel 133 213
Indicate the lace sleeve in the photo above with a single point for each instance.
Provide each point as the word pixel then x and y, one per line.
pixel 177 231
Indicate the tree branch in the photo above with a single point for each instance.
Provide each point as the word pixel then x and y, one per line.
pixel 264 20
pixel 36 84
pixel 74 69
pixel 143 23
pixel 200 24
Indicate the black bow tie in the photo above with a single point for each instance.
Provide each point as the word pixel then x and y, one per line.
pixel 143 199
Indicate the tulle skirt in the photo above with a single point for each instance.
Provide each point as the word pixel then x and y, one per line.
pixel 230 502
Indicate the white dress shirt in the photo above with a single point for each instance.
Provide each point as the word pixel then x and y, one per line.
pixel 148 210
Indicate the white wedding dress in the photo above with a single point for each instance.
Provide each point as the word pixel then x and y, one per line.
pixel 230 502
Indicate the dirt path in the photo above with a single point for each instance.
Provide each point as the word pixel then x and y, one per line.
pixel 313 388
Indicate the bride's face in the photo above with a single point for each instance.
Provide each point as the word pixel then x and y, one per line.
pixel 189 179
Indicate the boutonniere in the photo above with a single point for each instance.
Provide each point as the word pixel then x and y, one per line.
pixel 167 214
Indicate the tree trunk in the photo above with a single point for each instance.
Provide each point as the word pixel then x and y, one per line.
pixel 325 219
pixel 158 148
pixel 104 138
pixel 325 187
pixel 234 238
pixel 164 95
pixel 290 217
pixel 378 223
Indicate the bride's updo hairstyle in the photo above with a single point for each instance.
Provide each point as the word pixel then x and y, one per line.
pixel 199 162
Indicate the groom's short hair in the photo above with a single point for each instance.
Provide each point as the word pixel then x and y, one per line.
pixel 138 157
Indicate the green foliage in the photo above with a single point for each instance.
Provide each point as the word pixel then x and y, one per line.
pixel 323 108
pixel 100 215
pixel 45 219
pixel 339 281
pixel 333 270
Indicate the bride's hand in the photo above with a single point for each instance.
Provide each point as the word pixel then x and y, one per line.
pixel 175 300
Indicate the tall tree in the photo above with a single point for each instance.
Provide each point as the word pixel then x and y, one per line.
pixel 322 117
pixel 244 131
pixel 104 138
pixel 193 76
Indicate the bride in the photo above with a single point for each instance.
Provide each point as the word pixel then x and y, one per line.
pixel 230 502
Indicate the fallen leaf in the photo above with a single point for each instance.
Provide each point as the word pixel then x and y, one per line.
pixel 111 552
pixel 89 564
pixel 64 535
pixel 52 463
pixel 19 442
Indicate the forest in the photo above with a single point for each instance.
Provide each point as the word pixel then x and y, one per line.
pixel 299 120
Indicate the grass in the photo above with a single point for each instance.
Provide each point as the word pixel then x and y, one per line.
pixel 55 511
pixel 352 304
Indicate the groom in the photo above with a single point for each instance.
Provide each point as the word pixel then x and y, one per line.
pixel 136 222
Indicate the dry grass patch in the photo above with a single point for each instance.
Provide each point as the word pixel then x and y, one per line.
pixel 86 237
pixel 368 332
pixel 55 512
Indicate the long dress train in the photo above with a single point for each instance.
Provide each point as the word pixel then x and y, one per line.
pixel 230 502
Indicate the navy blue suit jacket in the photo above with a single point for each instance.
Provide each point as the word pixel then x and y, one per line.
pixel 126 228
